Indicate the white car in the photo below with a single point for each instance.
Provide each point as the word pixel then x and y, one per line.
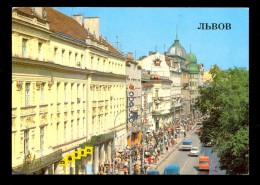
pixel 194 151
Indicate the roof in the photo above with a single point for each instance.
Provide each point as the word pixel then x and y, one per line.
pixel 192 58
pixel 204 157
pixel 61 23
pixel 173 167
pixel 176 49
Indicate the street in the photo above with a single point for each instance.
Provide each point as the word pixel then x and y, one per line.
pixel 189 164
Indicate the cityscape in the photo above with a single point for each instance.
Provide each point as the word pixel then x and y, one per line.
pixel 81 106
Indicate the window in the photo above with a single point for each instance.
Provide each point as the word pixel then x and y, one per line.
pixel 83 127
pixel 58 87
pixel 76 59
pixel 91 62
pixel 62 56
pixel 71 130
pixel 65 92
pixel 40 52
pixel 57 131
pixel 65 131
pixel 24 49
pixel 70 53
pixel 27 94
pixel 78 97
pixel 55 54
pixel 42 140
pixel 78 128
pixel 42 93
pixel 26 142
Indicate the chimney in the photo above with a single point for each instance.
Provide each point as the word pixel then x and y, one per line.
pixel 78 18
pixel 130 55
pixel 37 10
pixel 92 23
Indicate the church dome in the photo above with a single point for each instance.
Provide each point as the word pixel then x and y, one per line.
pixel 177 49
pixel 191 58
pixel 193 68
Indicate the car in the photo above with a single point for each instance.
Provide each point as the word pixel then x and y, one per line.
pixel 204 163
pixel 208 144
pixel 186 144
pixel 172 170
pixel 194 151
pixel 153 172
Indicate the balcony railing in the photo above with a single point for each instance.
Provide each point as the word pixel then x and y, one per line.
pixel 29 167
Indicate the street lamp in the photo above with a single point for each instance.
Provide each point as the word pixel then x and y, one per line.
pixel 114 144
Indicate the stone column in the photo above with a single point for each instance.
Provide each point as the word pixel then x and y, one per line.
pixel 109 152
pixel 102 154
pixel 96 159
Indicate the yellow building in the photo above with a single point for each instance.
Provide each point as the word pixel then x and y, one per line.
pixel 68 85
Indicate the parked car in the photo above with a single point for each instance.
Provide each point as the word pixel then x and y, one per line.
pixel 194 151
pixel 172 170
pixel 153 172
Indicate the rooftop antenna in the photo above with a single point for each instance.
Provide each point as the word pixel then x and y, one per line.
pixel 117 42
pixel 177 32
pixel 163 48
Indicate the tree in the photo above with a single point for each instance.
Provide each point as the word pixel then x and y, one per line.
pixel 226 102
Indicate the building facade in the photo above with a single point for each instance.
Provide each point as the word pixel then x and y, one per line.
pixel 68 85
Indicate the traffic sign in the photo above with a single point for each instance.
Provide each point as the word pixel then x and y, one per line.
pixel 130 104
pixel 131 93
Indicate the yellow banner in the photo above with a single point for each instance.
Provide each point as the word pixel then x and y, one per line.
pixel 89 149
pixel 77 154
pixel 70 158
pixel 64 162
pixel 83 152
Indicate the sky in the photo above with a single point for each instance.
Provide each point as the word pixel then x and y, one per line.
pixel 139 30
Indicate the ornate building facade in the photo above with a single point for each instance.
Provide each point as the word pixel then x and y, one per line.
pixel 68 85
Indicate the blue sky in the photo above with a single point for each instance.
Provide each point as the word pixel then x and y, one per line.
pixel 140 30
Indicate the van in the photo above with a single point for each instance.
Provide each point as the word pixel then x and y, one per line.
pixel 172 170
pixel 204 163
pixel 186 144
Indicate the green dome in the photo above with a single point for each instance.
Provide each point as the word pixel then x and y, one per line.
pixel 192 58
pixel 193 68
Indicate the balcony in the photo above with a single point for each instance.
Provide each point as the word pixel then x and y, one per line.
pixel 30 167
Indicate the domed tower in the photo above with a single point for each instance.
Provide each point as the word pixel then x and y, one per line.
pixel 176 49
pixel 192 67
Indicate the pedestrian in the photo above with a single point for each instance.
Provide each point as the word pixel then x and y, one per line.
pixel 167 148
pixel 184 134
pixel 125 170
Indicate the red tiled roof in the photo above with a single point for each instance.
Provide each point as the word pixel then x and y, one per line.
pixel 64 24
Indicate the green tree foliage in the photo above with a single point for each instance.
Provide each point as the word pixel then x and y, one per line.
pixel 225 101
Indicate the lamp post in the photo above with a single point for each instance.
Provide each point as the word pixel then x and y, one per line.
pixel 114 144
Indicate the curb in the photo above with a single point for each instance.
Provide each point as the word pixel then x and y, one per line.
pixel 173 149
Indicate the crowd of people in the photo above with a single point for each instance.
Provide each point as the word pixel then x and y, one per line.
pixel 141 155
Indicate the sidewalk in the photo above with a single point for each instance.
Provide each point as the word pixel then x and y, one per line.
pixel 170 150
pixel 165 154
